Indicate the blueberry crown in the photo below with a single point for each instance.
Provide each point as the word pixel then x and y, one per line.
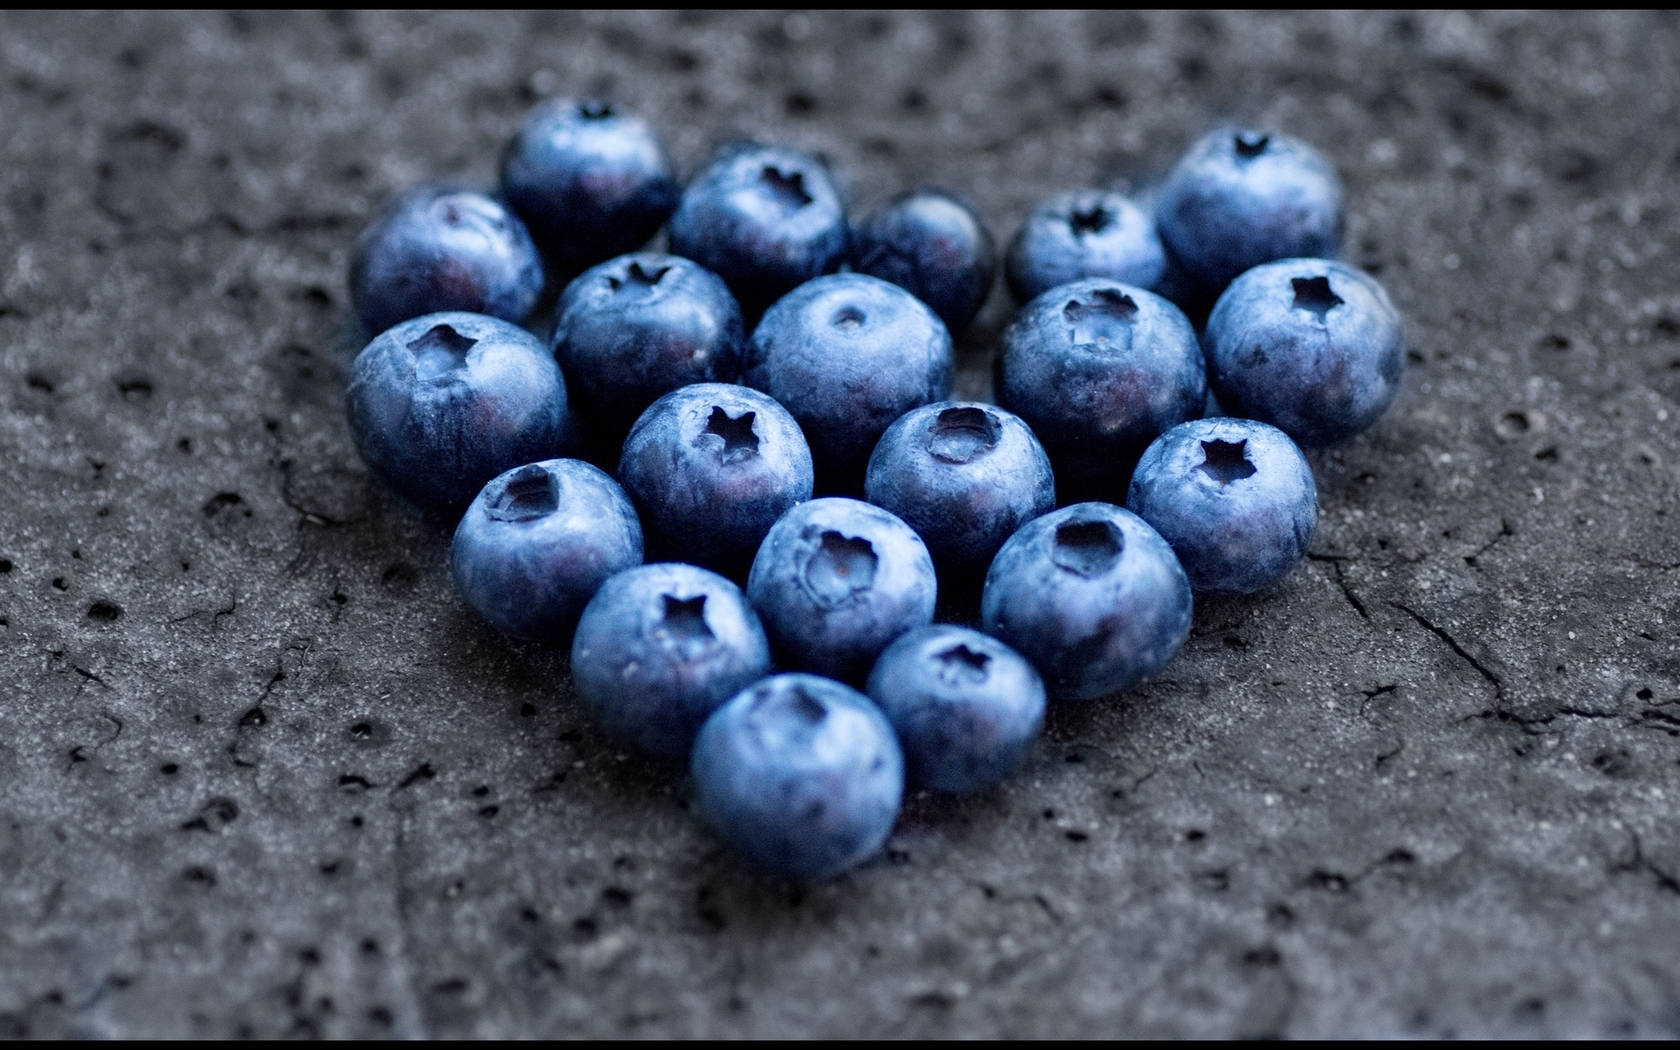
pixel 1087 548
pixel 1226 461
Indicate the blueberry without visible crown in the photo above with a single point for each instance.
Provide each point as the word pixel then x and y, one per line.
pixel 965 476
pixel 712 467
pixel 835 581
pixel 965 706
pixel 590 180
pixel 1098 369
pixel 800 774
pixel 1241 197
pixel 848 354
pixel 443 403
pixel 1085 233
pixel 1092 596
pixel 639 326
pixel 659 648
pixel 1234 498
pixel 537 543
pixel 1312 346
pixel 764 218
pixel 442 247
pixel 933 245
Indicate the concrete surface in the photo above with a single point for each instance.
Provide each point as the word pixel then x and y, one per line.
pixel 262 774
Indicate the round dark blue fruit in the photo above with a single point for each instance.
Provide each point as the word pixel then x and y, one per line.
pixel 933 245
pixel 764 218
pixel 442 247
pixel 590 180
pixel 538 542
pixel 659 648
pixel 441 404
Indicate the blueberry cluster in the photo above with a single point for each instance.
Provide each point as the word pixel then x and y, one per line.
pixel 727 599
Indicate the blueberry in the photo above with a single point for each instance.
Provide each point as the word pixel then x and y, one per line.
pixel 443 247
pixel 659 648
pixel 538 542
pixel 1092 596
pixel 848 354
pixel 1233 497
pixel 1097 369
pixel 711 467
pixel 1086 233
pixel 800 774
pixel 443 403
pixel 1242 197
pixel 965 706
pixel 640 326
pixel 1311 346
pixel 836 581
pixel 965 476
pixel 589 180
pixel 764 218
pixel 933 245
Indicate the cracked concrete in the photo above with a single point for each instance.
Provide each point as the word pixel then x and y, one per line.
pixel 262 775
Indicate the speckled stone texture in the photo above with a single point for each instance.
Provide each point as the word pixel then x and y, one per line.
pixel 262 773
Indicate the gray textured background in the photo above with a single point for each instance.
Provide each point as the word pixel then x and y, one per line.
pixel 261 773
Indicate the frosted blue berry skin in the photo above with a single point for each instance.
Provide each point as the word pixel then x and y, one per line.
pixel 1092 596
pixel 800 775
pixel 848 354
pixel 659 648
pixel 443 247
pixel 711 467
pixel 1314 347
pixel 835 581
pixel 441 404
pixel 764 218
pixel 1242 197
pixel 590 180
pixel 966 708
pixel 965 476
pixel 538 542
pixel 1234 498
pixel 1084 233
pixel 1098 369
pixel 932 244
pixel 639 326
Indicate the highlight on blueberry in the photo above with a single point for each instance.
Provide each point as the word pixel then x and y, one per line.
pixel 1084 233
pixel 440 404
pixel 537 543
pixel 1314 347
pixel 1244 196
pixel 965 706
pixel 442 247
pixel 659 648
pixel 835 581
pixel 848 354
pixel 965 476
pixel 590 180
pixel 639 326
pixel 1098 368
pixel 932 244
pixel 1092 596
pixel 711 467
pixel 764 218
pixel 1234 498
pixel 799 774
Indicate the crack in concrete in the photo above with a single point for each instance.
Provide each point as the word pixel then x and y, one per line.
pixel 1504 531
pixel 214 614
pixel 1666 880
pixel 1452 643
pixel 1335 562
